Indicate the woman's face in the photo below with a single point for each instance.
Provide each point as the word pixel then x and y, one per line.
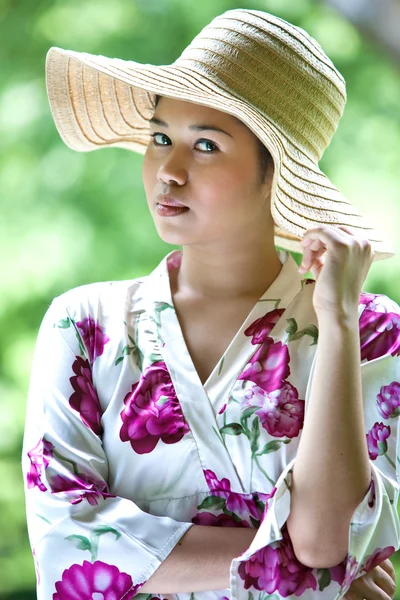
pixel 213 173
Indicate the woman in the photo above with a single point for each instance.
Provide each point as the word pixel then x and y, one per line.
pixel 209 428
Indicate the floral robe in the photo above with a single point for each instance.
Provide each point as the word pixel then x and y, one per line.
pixel 125 449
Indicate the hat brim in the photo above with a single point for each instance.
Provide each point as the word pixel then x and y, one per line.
pixel 99 102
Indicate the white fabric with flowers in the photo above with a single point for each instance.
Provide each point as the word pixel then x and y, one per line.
pixel 125 449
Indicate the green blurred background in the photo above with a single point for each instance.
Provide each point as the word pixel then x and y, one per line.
pixel 71 218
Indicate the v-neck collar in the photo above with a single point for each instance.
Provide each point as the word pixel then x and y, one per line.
pixel 159 295
pixel 202 404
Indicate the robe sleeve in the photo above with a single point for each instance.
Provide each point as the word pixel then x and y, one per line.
pixel 269 564
pixel 85 541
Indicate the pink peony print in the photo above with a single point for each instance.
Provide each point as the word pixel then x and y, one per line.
pixel 376 440
pixel 388 400
pixel 39 456
pixel 295 577
pixel 376 558
pixel 277 569
pixel 93 337
pixel 261 570
pixel 79 487
pixel 351 571
pixel 338 571
pixel 269 366
pixel 281 412
pixel 152 411
pixel 94 581
pixel 223 520
pixel 254 504
pixel 84 399
pixel 262 327
pixel 379 329
pixel 369 299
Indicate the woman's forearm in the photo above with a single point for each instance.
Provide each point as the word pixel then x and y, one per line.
pixel 200 561
pixel 331 474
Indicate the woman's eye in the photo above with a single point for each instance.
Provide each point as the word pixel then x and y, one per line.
pixel 154 135
pixel 214 147
pixel 202 141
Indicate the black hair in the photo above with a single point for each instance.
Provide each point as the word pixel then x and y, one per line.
pixel 265 160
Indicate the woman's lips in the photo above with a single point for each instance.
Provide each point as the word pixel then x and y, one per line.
pixel 171 211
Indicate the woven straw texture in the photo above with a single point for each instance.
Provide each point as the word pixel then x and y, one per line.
pixel 257 67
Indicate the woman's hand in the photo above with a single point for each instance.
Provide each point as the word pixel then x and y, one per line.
pixel 340 260
pixel 377 584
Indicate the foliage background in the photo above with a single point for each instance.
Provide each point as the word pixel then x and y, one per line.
pixel 72 218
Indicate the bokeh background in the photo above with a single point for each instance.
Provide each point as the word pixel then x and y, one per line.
pixel 71 218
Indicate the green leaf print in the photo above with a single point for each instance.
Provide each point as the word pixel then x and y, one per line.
pixel 192 596
pixel 92 545
pixel 272 446
pixel 100 529
pixel 44 518
pixel 260 505
pixel 125 352
pixel 159 307
pixel 390 460
pixel 132 348
pixel 248 413
pixel 232 429
pixel 251 597
pixel 79 339
pixel 255 522
pixel 63 323
pixel 291 327
pixel 128 350
pixel 233 515
pixel 255 434
pixel 66 324
pixel 324 578
pixel 81 542
pixel 382 446
pixel 212 502
pixel 132 341
pixel 294 334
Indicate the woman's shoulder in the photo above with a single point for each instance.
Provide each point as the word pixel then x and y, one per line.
pixel 102 298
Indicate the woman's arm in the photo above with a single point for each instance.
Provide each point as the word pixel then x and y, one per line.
pixel 200 561
pixel 331 474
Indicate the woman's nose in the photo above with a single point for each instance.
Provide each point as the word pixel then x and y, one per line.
pixel 172 169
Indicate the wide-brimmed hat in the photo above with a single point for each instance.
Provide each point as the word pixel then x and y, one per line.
pixel 268 73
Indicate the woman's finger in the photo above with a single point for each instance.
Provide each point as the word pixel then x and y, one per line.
pixel 327 235
pixel 384 580
pixel 389 568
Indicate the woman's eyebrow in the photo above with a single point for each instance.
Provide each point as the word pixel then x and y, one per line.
pixel 203 127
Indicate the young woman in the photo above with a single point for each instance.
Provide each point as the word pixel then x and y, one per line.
pixel 223 427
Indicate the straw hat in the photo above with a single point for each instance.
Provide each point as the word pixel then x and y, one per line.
pixel 263 70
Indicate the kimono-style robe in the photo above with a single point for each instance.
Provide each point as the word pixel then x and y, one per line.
pixel 125 449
